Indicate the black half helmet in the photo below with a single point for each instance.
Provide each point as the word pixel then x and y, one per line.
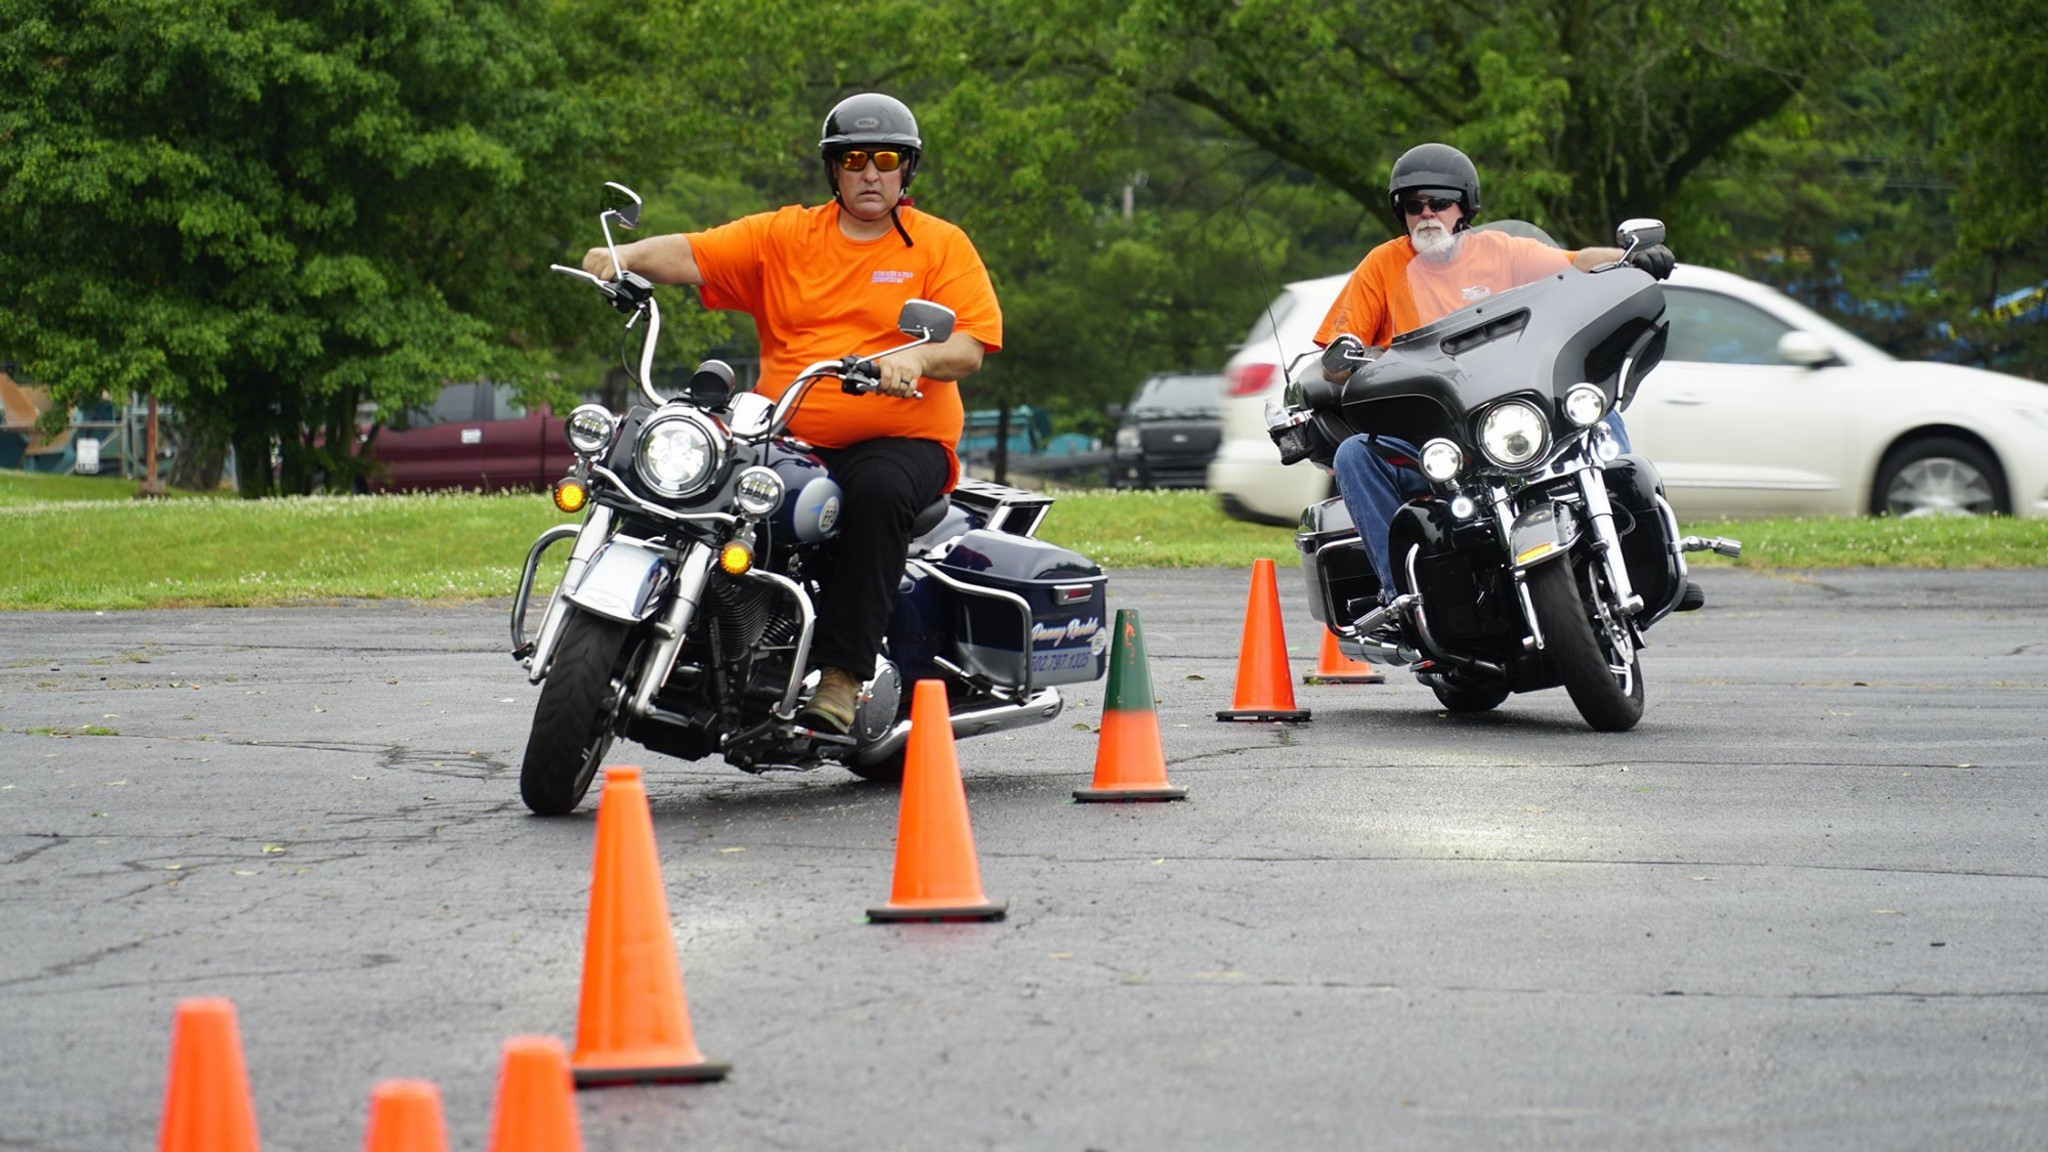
pixel 870 120
pixel 1434 166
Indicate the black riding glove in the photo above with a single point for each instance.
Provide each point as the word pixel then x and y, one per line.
pixel 1655 259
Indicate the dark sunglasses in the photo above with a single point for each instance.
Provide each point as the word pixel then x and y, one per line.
pixel 1414 207
pixel 855 159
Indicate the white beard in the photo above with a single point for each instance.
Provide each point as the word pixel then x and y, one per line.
pixel 1431 238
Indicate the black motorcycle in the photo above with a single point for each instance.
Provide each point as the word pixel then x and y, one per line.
pixel 684 616
pixel 1542 551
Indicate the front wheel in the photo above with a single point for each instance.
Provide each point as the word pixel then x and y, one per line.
pixel 1592 650
pixel 1939 476
pixel 577 715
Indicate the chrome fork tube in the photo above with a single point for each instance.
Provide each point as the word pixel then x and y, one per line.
pixel 670 628
pixel 1593 490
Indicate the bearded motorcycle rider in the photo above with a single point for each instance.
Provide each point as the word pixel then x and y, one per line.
pixel 1436 267
pixel 820 281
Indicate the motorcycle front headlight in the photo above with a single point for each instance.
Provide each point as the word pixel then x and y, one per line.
pixel 1513 434
pixel 1585 404
pixel 679 455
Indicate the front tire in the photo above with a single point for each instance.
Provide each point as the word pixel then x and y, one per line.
pixel 577 716
pixel 1594 656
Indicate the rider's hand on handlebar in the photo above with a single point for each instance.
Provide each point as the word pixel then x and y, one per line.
pixel 598 262
pixel 1655 259
pixel 898 374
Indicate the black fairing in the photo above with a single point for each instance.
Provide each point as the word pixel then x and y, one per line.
pixel 1537 340
pixel 1471 596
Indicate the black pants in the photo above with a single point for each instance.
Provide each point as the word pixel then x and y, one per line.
pixel 883 485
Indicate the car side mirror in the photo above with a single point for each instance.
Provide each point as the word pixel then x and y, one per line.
pixel 1639 232
pixel 926 319
pixel 1116 413
pixel 1805 349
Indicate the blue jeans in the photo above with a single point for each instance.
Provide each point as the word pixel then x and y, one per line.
pixel 1374 490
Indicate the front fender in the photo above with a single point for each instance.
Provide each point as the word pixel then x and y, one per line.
pixel 1543 532
pixel 626 581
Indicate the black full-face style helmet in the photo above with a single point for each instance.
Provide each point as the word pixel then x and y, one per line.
pixel 1434 166
pixel 869 120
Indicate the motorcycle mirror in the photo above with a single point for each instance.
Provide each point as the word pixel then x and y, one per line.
pixel 622 204
pixel 1341 354
pixel 1638 232
pixel 923 318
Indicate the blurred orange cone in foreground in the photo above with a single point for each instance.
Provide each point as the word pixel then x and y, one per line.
pixel 536 1109
pixel 405 1116
pixel 633 1026
pixel 1130 764
pixel 936 875
pixel 206 1102
pixel 1334 667
pixel 1265 687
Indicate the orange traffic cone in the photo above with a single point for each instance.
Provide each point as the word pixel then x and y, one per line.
pixel 206 1103
pixel 633 1026
pixel 1129 762
pixel 1334 667
pixel 536 1109
pixel 405 1116
pixel 1265 687
pixel 936 876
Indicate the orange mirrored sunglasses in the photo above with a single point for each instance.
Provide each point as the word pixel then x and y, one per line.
pixel 855 159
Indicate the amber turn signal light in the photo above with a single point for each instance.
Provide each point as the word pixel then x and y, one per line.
pixel 570 494
pixel 736 558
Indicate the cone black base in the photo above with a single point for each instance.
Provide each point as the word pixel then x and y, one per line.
pixel 892 914
pixel 653 1074
pixel 1115 795
pixel 1293 714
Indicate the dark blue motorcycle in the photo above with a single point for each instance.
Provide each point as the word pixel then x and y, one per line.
pixel 684 616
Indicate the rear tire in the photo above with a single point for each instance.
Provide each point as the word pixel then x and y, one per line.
pixel 887 770
pixel 1597 660
pixel 1483 697
pixel 577 716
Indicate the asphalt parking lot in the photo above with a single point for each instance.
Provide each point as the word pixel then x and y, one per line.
pixel 1800 906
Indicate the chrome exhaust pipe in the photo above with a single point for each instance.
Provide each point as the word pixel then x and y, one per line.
pixel 1039 707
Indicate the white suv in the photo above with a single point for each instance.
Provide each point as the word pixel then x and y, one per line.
pixel 1761 407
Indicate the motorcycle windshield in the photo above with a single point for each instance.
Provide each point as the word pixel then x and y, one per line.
pixel 1502 314
pixel 1469 268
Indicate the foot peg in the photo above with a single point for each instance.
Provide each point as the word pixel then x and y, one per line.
pixel 1720 544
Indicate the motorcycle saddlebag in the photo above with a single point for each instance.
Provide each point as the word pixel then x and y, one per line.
pixel 1066 637
pixel 1334 563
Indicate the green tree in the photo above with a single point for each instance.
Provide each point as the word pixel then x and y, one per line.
pixel 266 212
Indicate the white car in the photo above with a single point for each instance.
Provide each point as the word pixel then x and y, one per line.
pixel 1761 407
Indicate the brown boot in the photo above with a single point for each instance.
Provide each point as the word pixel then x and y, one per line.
pixel 830 708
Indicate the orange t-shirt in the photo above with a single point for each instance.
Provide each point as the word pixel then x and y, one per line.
pixel 817 295
pixel 1380 301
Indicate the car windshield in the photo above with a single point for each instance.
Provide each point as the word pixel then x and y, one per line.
pixel 1190 395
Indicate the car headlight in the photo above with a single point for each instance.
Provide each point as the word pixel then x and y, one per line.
pixel 759 491
pixel 589 429
pixel 678 455
pixel 1127 439
pixel 1513 434
pixel 1585 404
pixel 1442 460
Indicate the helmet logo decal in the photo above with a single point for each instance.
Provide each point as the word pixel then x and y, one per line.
pixel 868 122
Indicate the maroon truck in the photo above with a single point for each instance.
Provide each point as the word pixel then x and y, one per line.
pixel 474 436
